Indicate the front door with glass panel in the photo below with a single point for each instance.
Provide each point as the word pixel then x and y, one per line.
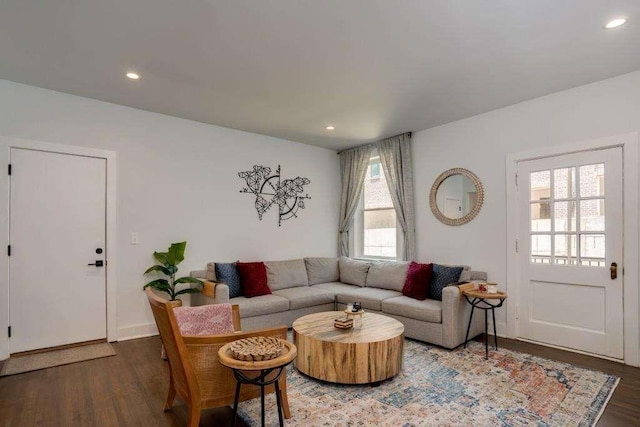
pixel 570 251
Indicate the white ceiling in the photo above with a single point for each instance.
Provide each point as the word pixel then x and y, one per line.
pixel 288 68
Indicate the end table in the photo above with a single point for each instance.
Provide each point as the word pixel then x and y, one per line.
pixel 264 368
pixel 484 301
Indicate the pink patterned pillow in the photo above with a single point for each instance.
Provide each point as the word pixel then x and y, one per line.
pixel 212 319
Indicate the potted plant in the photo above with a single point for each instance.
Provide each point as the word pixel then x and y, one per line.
pixel 168 265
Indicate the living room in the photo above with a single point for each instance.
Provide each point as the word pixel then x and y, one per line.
pixel 225 87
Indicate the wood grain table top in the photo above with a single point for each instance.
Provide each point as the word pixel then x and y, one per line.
pixel 374 328
pixel 474 293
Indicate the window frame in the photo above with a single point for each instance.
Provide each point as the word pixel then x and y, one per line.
pixel 356 236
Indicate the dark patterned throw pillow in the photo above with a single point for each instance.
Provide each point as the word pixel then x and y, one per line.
pixel 441 277
pixel 227 272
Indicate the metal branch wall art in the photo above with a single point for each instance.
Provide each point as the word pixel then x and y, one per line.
pixel 270 189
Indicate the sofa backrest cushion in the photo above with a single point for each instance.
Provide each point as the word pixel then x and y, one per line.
pixel 211 272
pixel 322 270
pixel 387 275
pixel 286 274
pixel 227 272
pixel 441 277
pixel 353 272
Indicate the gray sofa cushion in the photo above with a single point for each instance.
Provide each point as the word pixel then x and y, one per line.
pixel 428 310
pixel 336 287
pixel 370 298
pixel 263 304
pixel 465 276
pixel 353 272
pixel 476 275
pixel 286 274
pixel 305 296
pixel 211 271
pixel 387 275
pixel 322 270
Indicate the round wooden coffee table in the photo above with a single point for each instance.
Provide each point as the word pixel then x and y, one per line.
pixel 369 353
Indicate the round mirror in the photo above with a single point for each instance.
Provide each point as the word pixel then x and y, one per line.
pixel 456 196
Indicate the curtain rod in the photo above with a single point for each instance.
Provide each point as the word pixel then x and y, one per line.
pixel 374 143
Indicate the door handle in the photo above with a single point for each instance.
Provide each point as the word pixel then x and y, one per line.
pixel 98 263
pixel 614 271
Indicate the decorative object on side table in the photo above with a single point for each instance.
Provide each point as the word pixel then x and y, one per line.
pixel 256 348
pixel 486 301
pixel 168 265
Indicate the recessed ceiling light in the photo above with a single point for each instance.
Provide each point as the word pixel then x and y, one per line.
pixel 614 23
pixel 133 76
pixel 330 127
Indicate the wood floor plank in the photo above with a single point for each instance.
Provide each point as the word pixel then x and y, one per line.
pixel 130 389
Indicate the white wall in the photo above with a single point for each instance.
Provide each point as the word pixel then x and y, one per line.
pixel 178 180
pixel 481 144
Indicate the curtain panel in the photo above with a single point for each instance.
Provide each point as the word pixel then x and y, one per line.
pixel 353 167
pixel 395 157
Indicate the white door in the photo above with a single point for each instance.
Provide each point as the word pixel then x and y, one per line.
pixel 569 235
pixel 57 227
pixel 452 208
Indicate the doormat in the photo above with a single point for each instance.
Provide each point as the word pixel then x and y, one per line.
pixel 458 387
pixel 49 359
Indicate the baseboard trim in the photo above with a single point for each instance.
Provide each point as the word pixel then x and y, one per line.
pixel 137 331
pixel 501 329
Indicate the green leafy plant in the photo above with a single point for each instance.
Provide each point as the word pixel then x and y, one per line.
pixel 168 265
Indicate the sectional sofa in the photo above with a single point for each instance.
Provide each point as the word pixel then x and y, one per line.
pixel 311 285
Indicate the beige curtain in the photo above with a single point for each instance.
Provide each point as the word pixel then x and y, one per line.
pixel 353 167
pixel 395 157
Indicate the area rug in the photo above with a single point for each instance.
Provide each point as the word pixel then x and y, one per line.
pixel 451 388
pixel 33 362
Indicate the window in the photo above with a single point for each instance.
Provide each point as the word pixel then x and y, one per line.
pixel 374 169
pixel 375 227
pixel 567 220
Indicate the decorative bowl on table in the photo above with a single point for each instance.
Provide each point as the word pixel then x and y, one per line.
pixel 255 349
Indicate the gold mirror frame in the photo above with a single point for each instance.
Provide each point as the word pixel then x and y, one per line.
pixel 434 190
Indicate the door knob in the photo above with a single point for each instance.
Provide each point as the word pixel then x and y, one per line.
pixel 614 270
pixel 98 263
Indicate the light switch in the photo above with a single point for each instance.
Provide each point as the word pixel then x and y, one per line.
pixel 135 238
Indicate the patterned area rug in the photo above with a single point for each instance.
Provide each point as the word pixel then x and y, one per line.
pixel 459 387
pixel 49 359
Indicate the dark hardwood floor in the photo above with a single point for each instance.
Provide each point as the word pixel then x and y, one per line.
pixel 129 390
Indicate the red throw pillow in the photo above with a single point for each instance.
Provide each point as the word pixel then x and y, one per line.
pixel 253 279
pixel 417 283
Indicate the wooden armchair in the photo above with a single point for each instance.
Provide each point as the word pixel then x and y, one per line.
pixel 195 374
